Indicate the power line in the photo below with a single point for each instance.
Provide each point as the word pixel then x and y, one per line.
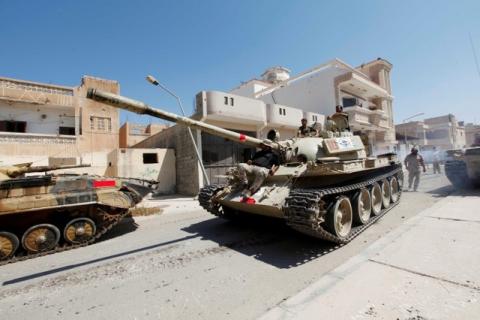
pixel 474 54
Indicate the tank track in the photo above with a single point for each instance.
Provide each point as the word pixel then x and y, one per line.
pixel 302 212
pixel 305 209
pixel 205 199
pixel 65 247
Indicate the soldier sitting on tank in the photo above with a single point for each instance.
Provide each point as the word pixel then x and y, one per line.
pixel 306 131
pixel 341 119
pixel 265 162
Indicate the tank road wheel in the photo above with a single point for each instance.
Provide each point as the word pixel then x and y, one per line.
pixel 8 245
pixel 79 230
pixel 385 185
pixel 376 195
pixel 362 206
pixel 42 237
pixel 394 190
pixel 339 218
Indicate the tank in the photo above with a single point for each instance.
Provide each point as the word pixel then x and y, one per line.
pixel 41 214
pixel 326 186
pixel 462 166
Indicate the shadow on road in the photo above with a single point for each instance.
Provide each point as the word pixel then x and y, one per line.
pixel 266 239
pixel 127 225
pixel 442 191
pixel 105 258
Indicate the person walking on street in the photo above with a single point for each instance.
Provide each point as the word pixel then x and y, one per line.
pixel 436 161
pixel 413 162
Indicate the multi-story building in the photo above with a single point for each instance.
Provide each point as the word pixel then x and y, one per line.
pixel 49 125
pixel 52 124
pixel 443 132
pixel 278 101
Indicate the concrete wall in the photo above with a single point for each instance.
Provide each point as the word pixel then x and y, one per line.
pixel 188 177
pixel 130 163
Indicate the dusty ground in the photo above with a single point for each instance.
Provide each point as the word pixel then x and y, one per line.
pixel 187 265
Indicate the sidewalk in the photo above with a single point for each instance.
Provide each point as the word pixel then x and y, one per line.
pixel 172 204
pixel 429 268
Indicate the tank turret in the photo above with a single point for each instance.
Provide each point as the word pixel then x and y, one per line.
pixel 17 170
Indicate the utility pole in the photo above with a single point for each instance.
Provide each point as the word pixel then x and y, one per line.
pixel 155 82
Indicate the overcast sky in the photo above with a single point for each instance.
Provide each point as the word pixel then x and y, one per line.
pixel 214 45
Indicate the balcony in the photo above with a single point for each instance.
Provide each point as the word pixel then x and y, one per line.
pixel 36 93
pixel 363 118
pixel 226 107
pixel 283 117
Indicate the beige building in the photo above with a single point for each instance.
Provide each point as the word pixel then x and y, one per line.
pixel 132 133
pixel 443 132
pixel 48 124
pixel 471 131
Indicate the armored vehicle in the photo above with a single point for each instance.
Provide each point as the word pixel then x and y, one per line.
pixel 462 166
pixel 41 214
pixel 326 186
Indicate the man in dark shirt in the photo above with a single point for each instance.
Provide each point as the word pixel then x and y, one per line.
pixel 265 162
pixel 306 131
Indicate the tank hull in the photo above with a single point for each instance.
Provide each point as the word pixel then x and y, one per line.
pixel 46 214
pixel 303 203
pixel 462 167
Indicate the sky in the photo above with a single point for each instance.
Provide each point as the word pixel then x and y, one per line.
pixel 214 45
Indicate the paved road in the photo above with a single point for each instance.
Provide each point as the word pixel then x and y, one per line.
pixel 187 265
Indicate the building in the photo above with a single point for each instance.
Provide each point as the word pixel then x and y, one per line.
pixel 443 132
pixel 471 131
pixel 52 124
pixel 132 133
pixel 278 101
pixel 145 164
pixel 364 92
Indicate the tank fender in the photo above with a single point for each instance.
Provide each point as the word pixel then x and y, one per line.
pixel 115 199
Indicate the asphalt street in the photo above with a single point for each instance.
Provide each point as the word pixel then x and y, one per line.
pixel 188 264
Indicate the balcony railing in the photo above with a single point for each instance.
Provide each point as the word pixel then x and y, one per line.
pixel 25 91
pixel 35 138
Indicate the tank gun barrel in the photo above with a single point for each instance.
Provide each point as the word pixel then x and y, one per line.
pixel 50 168
pixel 125 103
pixel 16 171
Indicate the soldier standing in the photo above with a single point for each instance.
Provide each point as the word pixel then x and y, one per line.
pixel 306 131
pixel 436 161
pixel 413 162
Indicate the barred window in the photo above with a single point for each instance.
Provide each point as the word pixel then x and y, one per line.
pixel 101 124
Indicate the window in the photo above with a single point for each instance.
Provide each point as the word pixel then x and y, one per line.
pixel 226 101
pixel 101 124
pixel 13 126
pixel 314 118
pixel 150 158
pixel 349 102
pixel 70 131
pixel 282 111
pixel 231 102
